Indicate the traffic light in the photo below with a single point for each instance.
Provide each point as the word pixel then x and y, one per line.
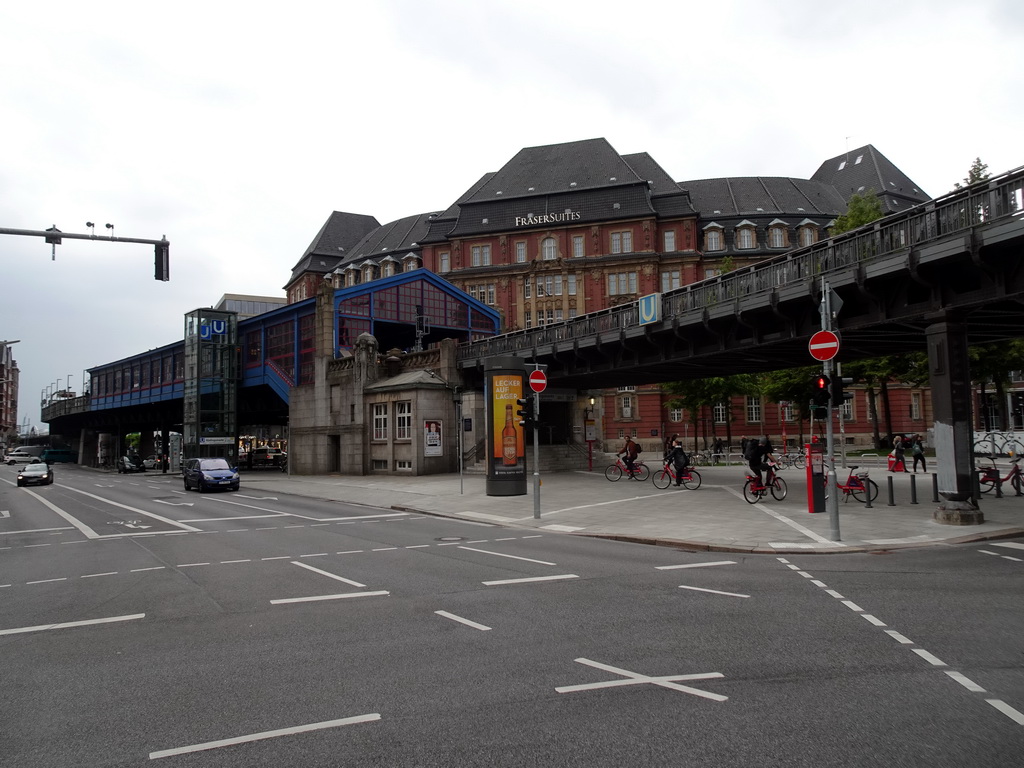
pixel 820 391
pixel 162 262
pixel 525 412
pixel 839 396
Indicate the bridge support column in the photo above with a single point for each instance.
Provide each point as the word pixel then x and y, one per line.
pixel 950 378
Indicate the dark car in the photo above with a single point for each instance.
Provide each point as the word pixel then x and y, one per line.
pixel 37 473
pixel 128 464
pixel 207 474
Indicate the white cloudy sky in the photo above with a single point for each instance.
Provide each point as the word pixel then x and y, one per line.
pixel 236 128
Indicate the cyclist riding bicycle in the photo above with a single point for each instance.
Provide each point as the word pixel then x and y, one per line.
pixel 629 454
pixel 678 459
pixel 758 454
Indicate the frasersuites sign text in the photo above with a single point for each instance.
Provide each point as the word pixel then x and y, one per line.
pixel 548 218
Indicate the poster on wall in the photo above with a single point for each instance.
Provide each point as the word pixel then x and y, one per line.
pixel 508 451
pixel 432 438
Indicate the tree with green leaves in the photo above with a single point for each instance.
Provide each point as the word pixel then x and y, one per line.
pixel 978 172
pixel 860 210
pixel 993 363
pixel 793 386
pixel 699 394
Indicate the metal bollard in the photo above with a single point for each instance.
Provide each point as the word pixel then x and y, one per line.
pixel 913 489
pixel 892 502
pixel 935 488
pixel 867 496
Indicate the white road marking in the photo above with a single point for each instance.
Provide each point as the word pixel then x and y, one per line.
pixel 561 528
pixel 966 682
pixel 1007 710
pixel 484 516
pixel 47 581
pixel 533 578
pixel 873 620
pixel 39 530
pixel 136 510
pixel 632 678
pixel 834 594
pixel 1007 544
pixel 933 660
pixel 264 735
pixel 898 637
pixel 94 575
pixel 328 575
pixel 694 565
pixel 502 554
pixel 461 620
pixel 713 591
pixel 853 606
pixel 190 565
pixel 821 584
pixel 314 598
pixel 89 532
pixel 69 624
pixel 154 568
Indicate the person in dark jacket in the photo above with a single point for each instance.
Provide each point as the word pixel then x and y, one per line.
pixel 678 459
pixel 758 452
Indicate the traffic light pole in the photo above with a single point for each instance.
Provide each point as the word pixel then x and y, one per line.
pixel 536 456
pixel 831 490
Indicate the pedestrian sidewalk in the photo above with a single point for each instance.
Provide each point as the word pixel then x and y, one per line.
pixel 713 517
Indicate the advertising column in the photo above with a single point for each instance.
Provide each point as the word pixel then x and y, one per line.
pixel 506 455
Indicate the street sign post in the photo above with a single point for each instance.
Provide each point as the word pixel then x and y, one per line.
pixel 538 381
pixel 824 345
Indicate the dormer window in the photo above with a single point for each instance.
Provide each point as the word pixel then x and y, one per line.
pixel 713 240
pixel 778 234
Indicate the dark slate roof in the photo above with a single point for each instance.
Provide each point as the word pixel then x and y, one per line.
pixel 863 169
pixel 396 239
pixel 555 168
pixel 442 224
pixel 760 195
pixel 339 233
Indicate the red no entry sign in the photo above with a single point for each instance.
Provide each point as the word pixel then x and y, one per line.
pixel 824 345
pixel 538 381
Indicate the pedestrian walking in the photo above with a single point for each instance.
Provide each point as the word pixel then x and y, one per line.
pixel 899 450
pixel 917 449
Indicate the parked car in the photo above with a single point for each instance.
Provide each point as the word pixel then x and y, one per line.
pixel 20 456
pixel 37 472
pixel 54 455
pixel 127 464
pixel 265 457
pixel 151 462
pixel 207 474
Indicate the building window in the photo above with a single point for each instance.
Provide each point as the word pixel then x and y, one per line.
pixel 577 246
pixel 786 411
pixel 915 405
pixel 622 242
pixel 626 406
pixel 481 255
pixel 445 264
pixel 808 236
pixel 745 238
pixel 571 284
pixel 403 465
pixel 527 321
pixel 670 280
pixel 621 282
pixel 549 249
pixel 712 272
pixel 403 420
pixel 389 268
pixel 847 409
pixel 520 252
pixel 380 421
pixel 627 389
pixel 720 413
pixel 670 240
pixel 713 240
pixel 753 410
pixel 776 237
pixel 528 288
pixel 675 415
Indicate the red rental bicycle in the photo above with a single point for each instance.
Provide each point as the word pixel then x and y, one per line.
pixel 689 477
pixel 618 469
pixel 754 491
pixel 858 485
pixel 988 478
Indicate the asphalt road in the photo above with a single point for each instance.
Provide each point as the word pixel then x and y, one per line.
pixel 143 625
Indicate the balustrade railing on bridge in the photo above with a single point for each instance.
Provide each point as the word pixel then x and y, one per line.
pixel 981 204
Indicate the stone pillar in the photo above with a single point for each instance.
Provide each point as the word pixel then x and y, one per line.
pixel 950 378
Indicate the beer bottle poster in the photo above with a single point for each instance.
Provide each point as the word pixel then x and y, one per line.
pixel 509 446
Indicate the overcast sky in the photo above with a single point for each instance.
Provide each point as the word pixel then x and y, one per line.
pixel 235 129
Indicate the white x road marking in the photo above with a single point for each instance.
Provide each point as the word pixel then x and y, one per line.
pixel 632 678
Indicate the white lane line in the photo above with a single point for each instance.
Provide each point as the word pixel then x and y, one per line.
pixel 328 575
pixel 314 598
pixel 278 557
pixel 231 562
pixel 694 565
pixel 231 519
pixel 85 529
pixel 534 536
pixel 383 549
pixel 461 620
pixel 154 568
pixel 413 546
pixel 94 575
pixel 560 528
pixel 512 557
pixel 264 735
pixel 903 639
pixel 40 530
pixel 632 678
pixel 783 519
pixel 350 552
pixel 873 620
pixel 853 606
pixel 933 660
pixel 190 565
pixel 316 554
pixel 47 581
pixel 1007 710
pixel 713 591
pixel 966 682
pixel 817 583
pixel 1011 557
pixel 69 624
pixel 1007 544
pixel 805 574
pixel 534 578
pixel 834 594
pixel 151 515
pixel 30 546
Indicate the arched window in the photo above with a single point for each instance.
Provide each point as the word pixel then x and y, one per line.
pixel 713 239
pixel 776 237
pixel 549 249
pixel 745 237
pixel 808 236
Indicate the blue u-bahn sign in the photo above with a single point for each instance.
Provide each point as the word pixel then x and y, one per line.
pixel 650 308
pixel 213 328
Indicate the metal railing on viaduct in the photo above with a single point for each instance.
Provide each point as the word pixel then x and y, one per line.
pixel 961 253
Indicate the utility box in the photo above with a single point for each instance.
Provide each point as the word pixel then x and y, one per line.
pixel 814 455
